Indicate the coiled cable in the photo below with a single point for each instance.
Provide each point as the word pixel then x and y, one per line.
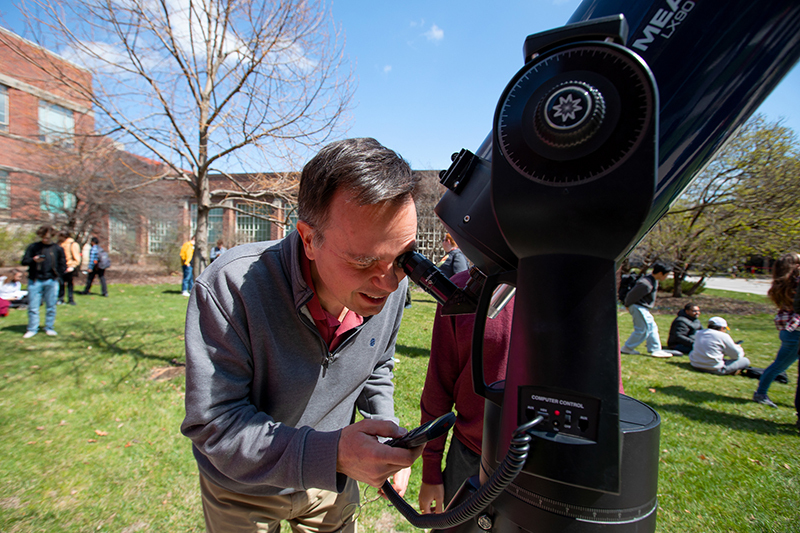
pixel 508 470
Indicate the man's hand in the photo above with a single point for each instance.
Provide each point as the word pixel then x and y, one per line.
pixel 428 494
pixel 400 480
pixel 363 458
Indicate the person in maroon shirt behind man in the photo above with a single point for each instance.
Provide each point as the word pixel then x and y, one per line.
pixel 448 384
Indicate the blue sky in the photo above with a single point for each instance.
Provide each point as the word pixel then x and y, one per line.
pixel 429 73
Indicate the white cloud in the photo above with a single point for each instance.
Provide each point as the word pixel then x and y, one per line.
pixel 387 69
pixel 435 33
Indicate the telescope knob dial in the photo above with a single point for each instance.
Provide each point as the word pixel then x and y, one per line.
pixel 542 135
pixel 570 114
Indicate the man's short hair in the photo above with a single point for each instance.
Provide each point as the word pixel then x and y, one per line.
pixel 45 229
pixel 369 171
pixel 688 307
pixel 661 268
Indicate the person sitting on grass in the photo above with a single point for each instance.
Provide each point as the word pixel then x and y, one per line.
pixel 11 289
pixel 715 352
pixel 684 328
pixel 11 292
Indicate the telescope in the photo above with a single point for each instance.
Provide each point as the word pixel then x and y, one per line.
pixel 604 126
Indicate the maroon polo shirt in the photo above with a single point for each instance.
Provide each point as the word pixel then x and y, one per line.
pixel 333 332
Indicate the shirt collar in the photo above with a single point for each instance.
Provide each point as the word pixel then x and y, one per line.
pixel 328 325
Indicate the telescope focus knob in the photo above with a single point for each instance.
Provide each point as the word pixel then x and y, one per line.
pixel 570 114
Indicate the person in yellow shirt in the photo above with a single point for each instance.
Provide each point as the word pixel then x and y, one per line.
pixel 187 253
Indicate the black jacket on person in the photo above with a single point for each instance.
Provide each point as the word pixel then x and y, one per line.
pixel 683 329
pixel 53 266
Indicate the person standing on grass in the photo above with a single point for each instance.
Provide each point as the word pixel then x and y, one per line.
pixel 187 253
pixel 286 340
pixel 715 352
pixel 784 294
pixel 97 268
pixel 454 260
pixel 98 262
pixel 72 251
pixel 86 251
pixel 639 301
pixel 448 384
pixel 46 264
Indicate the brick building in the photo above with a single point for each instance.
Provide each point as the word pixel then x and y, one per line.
pixel 35 109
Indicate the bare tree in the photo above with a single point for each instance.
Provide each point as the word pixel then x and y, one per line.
pixel 204 85
pixel 86 178
pixel 430 230
pixel 745 202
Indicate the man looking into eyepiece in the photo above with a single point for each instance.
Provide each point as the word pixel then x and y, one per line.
pixel 286 339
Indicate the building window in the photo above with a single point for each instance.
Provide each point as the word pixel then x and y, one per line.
pixel 290 211
pixel 214 223
pixel 56 202
pixel 158 235
pixel 121 236
pixel 56 123
pixel 3 108
pixel 5 199
pixel 250 227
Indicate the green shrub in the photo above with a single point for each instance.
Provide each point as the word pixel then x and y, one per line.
pixel 13 243
pixel 170 254
pixel 668 284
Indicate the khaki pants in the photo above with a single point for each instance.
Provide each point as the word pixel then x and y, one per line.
pixel 309 511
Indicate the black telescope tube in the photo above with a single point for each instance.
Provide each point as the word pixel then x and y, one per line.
pixel 425 274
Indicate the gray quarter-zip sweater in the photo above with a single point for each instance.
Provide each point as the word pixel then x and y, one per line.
pixel 265 399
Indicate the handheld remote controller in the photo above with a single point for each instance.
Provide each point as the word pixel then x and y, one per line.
pixel 429 431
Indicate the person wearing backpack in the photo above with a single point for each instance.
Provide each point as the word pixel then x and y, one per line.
pixel 639 301
pixel 98 263
pixel 72 252
pixel 46 264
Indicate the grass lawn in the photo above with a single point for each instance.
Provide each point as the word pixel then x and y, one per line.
pixel 89 422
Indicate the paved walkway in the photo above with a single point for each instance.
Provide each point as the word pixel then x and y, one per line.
pixel 754 286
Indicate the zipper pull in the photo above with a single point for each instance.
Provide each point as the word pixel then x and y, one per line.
pixel 328 360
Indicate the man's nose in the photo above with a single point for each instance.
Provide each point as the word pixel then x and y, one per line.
pixel 389 278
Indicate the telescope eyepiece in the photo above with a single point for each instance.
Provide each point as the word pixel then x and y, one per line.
pixel 425 274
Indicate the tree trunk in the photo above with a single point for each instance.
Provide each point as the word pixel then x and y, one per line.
pixel 201 249
pixel 696 286
pixel 677 279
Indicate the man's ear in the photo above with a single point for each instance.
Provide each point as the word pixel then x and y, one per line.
pixel 306 233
